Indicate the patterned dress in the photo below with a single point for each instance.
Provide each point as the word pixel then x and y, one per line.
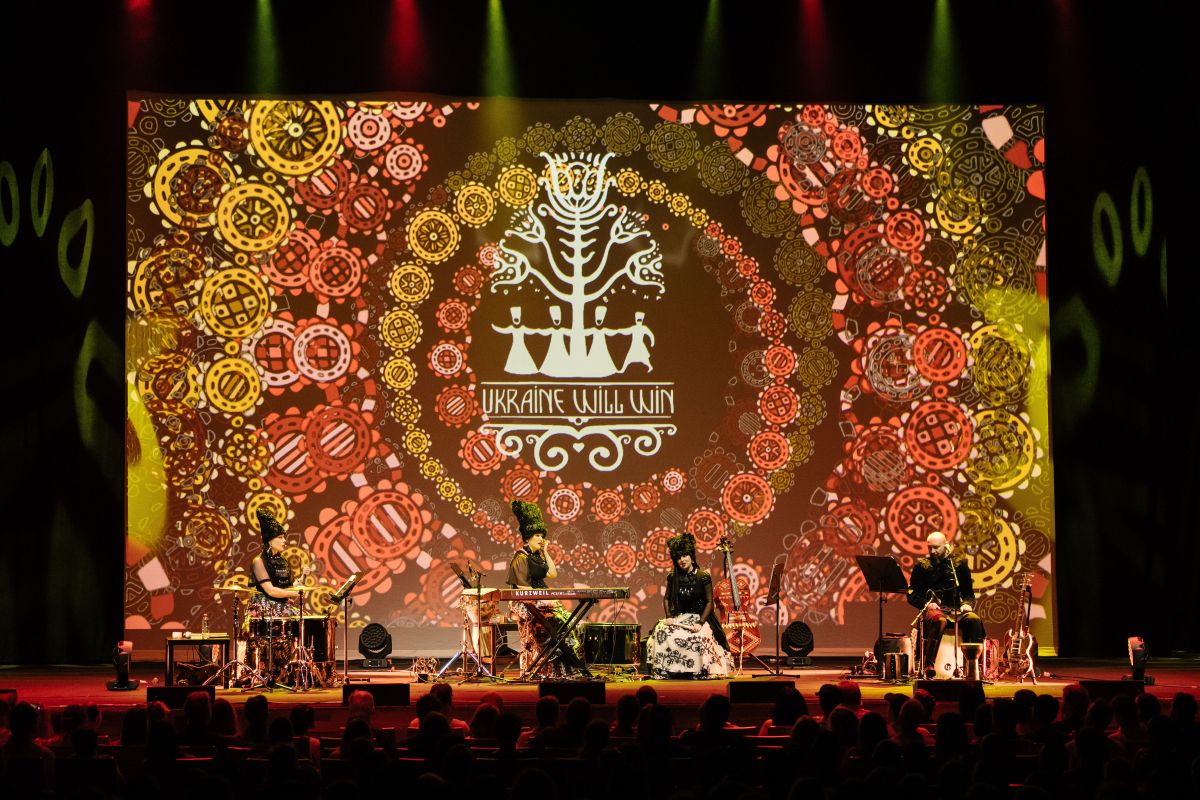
pixel 528 568
pixel 674 649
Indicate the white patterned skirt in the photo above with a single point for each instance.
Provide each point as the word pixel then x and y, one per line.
pixel 675 650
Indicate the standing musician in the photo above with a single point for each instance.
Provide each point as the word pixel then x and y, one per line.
pixel 270 571
pixel 529 569
pixel 941 586
pixel 689 642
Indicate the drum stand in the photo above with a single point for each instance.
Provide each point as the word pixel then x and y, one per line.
pixel 469 650
pixel 301 668
pixel 235 667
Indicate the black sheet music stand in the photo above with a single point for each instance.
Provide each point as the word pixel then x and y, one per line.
pixel 773 600
pixel 883 576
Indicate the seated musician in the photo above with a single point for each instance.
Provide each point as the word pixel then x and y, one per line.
pixel 689 643
pixel 941 586
pixel 529 569
pixel 270 571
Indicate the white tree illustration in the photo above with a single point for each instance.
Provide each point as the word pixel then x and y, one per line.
pixel 563 230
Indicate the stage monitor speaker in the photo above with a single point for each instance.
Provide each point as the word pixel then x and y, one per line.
pixel 385 694
pixel 592 691
pixel 174 696
pixel 946 691
pixel 757 691
pixel 1110 689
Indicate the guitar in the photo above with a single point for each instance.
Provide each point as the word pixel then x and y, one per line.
pixel 1017 659
pixel 740 625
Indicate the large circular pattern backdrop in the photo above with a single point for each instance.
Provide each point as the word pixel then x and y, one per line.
pixel 811 329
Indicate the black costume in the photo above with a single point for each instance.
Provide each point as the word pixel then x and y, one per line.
pixel 674 649
pixel 946 580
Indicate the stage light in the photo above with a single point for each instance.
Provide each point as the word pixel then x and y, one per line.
pixel 122 655
pixel 375 645
pixel 797 642
pixel 1138 656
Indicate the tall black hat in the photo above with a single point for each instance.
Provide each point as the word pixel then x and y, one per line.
pixel 682 545
pixel 529 517
pixel 268 525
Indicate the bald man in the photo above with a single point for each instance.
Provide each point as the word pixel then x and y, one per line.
pixel 940 584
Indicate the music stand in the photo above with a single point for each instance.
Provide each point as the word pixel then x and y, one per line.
pixel 343 594
pixel 883 575
pixel 773 600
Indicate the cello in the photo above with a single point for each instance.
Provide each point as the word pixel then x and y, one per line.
pixel 729 596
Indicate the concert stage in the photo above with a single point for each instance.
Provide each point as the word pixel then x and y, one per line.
pixel 58 686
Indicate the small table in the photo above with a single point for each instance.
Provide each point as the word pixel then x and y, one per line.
pixel 220 640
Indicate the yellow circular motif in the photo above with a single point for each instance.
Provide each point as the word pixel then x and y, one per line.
pixel 271 502
pixel 211 110
pixel 186 186
pixel 466 506
pixel 410 283
pixel 295 137
pixel 401 329
pixel 448 489
pixel 433 236
pixel 628 182
pixel 253 217
pixel 517 186
pixel 957 212
pixel 925 154
pixel 234 302
pixel 417 441
pixel 891 116
pixel 475 204
pixel 399 373
pixel 406 409
pixel 232 386
pixel 1004 454
pixel 996 558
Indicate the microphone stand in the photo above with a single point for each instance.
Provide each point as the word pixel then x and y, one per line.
pixel 957 613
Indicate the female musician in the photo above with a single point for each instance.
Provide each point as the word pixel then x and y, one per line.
pixel 270 571
pixel 689 643
pixel 529 569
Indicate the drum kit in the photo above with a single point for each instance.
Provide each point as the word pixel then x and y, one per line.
pixel 290 650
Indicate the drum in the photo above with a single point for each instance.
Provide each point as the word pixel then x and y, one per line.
pixel 969 655
pixel 270 628
pixel 895 643
pixel 611 642
pixel 320 636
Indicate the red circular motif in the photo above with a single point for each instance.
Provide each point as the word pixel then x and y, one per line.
pixel 468 280
pixel 762 293
pixel 769 450
pixel 453 315
pixel 846 145
pixel 340 555
pixel 608 506
pixel 939 354
pixel 338 438
pixel 654 548
pixel 778 404
pixel 387 525
pixel 621 558
pixel 456 406
pixel 521 483
pixel 336 271
pixel 747 498
pixel 877 183
pixel 292 471
pixel 905 230
pixel 918 511
pixel 323 190
pixel 772 324
pixel 673 481
pixel 645 497
pixel 780 361
pixel 447 359
pixel 938 435
pixel 365 206
pixel 288 263
pixel 565 504
pixel 707 526
pixel 584 558
pixel 480 453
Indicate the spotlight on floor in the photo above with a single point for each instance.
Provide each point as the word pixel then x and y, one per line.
pixel 122 655
pixel 375 645
pixel 1138 656
pixel 797 642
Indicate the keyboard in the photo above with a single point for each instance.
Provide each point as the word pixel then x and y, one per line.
pixel 609 593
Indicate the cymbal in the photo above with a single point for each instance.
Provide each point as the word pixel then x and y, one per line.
pixel 248 589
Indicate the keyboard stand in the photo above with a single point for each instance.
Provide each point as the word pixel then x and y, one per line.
pixel 560 633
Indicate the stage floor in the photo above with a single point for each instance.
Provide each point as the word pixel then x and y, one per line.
pixel 59 685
